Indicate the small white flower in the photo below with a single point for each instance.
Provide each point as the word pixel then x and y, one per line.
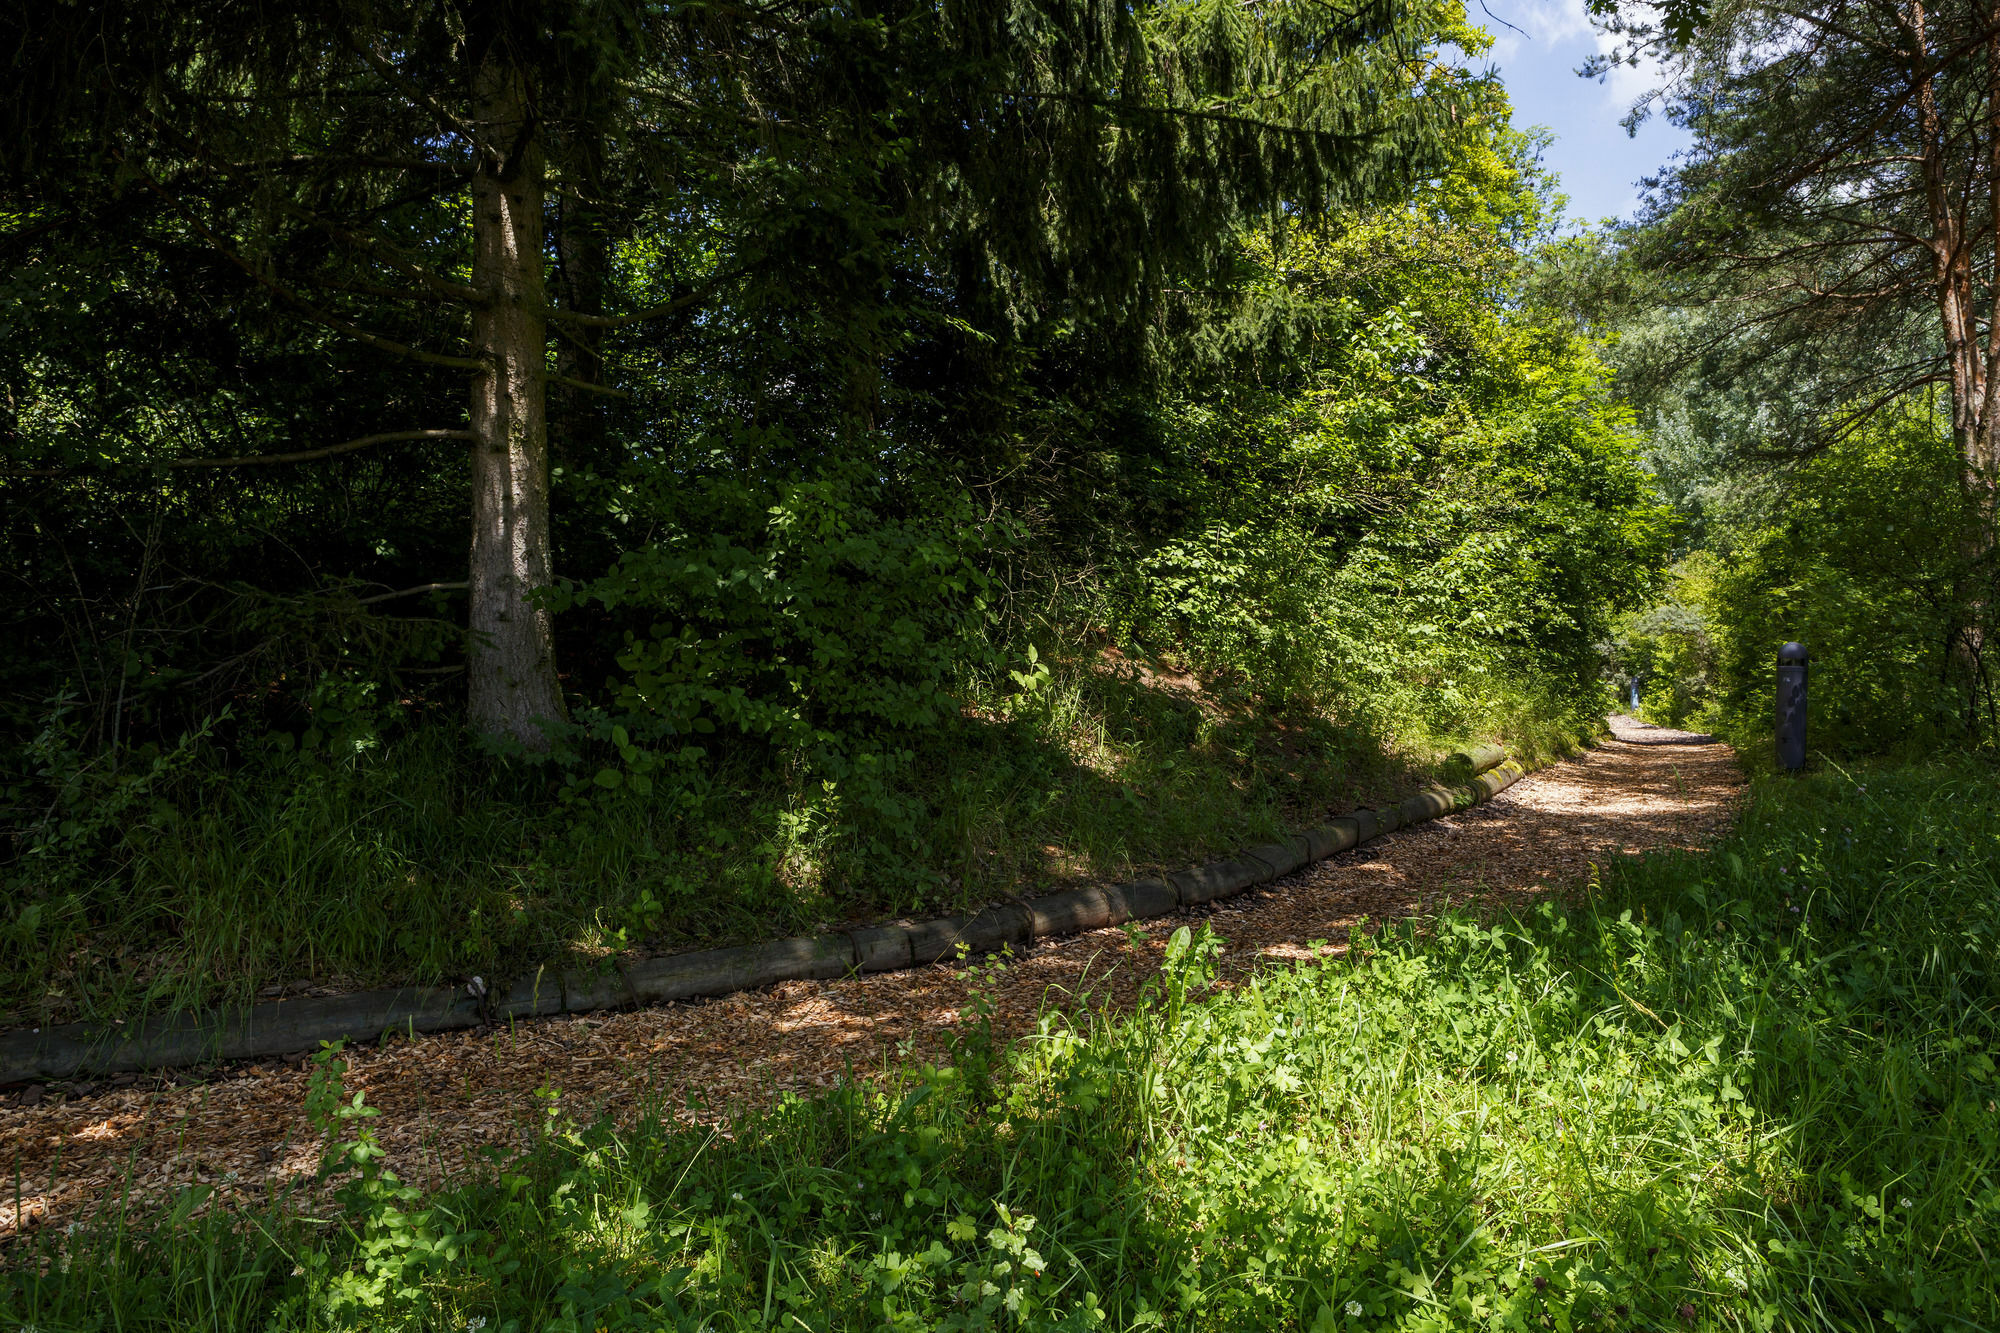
pixel 736 1195
pixel 1511 1057
pixel 1908 1204
pixel 1354 1309
pixel 474 1324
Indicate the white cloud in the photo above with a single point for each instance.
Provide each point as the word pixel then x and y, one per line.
pixel 1562 28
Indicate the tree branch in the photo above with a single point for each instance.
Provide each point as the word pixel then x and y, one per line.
pixel 1193 113
pixel 410 89
pixel 585 386
pixel 329 451
pixel 411 592
pixel 304 161
pixel 267 460
pixel 678 304
pixel 293 299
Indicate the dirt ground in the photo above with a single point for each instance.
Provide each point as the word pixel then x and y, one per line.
pixel 442 1098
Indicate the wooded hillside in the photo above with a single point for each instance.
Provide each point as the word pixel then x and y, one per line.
pixel 855 416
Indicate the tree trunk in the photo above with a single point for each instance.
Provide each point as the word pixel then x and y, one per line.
pixel 1952 273
pixel 1988 400
pixel 512 676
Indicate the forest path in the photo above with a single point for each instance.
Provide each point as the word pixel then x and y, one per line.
pixel 444 1097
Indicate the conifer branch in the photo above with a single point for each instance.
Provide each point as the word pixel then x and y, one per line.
pixel 307 161
pixel 1197 113
pixel 338 325
pixel 299 303
pixel 326 451
pixel 384 253
pixel 375 247
pixel 263 460
pixel 414 91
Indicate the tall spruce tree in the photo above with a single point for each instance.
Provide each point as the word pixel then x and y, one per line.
pixel 429 189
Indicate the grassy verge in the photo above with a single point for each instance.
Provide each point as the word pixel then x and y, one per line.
pixel 1751 1089
pixel 209 876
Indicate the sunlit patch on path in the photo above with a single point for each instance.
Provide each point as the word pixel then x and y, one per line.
pixel 445 1097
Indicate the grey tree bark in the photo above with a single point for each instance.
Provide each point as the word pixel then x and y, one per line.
pixel 513 688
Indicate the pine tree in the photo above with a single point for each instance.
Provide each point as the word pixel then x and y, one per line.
pixel 1842 194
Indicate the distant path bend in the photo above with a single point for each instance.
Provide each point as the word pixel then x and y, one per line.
pixel 1634 732
pixel 443 1097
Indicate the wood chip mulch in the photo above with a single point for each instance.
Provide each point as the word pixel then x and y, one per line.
pixel 445 1097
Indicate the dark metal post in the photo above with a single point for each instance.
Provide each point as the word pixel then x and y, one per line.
pixel 1792 707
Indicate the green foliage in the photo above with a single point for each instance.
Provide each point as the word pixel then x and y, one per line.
pixel 1872 564
pixel 897 585
pixel 1866 553
pixel 1819 413
pixel 1751 1088
pixel 1667 651
pixel 1415 485
pixel 823 226
pixel 1783 294
pixel 811 619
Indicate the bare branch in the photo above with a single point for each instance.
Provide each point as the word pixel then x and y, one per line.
pixel 412 592
pixel 585 386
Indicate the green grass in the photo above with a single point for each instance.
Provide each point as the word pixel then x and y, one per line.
pixel 1752 1089
pixel 204 877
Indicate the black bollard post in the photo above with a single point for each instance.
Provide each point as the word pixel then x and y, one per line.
pixel 1792 707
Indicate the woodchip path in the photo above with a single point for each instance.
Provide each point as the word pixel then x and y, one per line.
pixel 444 1097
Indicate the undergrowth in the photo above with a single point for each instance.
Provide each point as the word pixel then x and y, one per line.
pixel 1748 1089
pixel 358 857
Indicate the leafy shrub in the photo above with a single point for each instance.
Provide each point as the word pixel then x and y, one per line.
pixel 828 621
pixel 814 612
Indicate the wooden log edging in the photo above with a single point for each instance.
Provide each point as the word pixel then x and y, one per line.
pixel 283 1026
